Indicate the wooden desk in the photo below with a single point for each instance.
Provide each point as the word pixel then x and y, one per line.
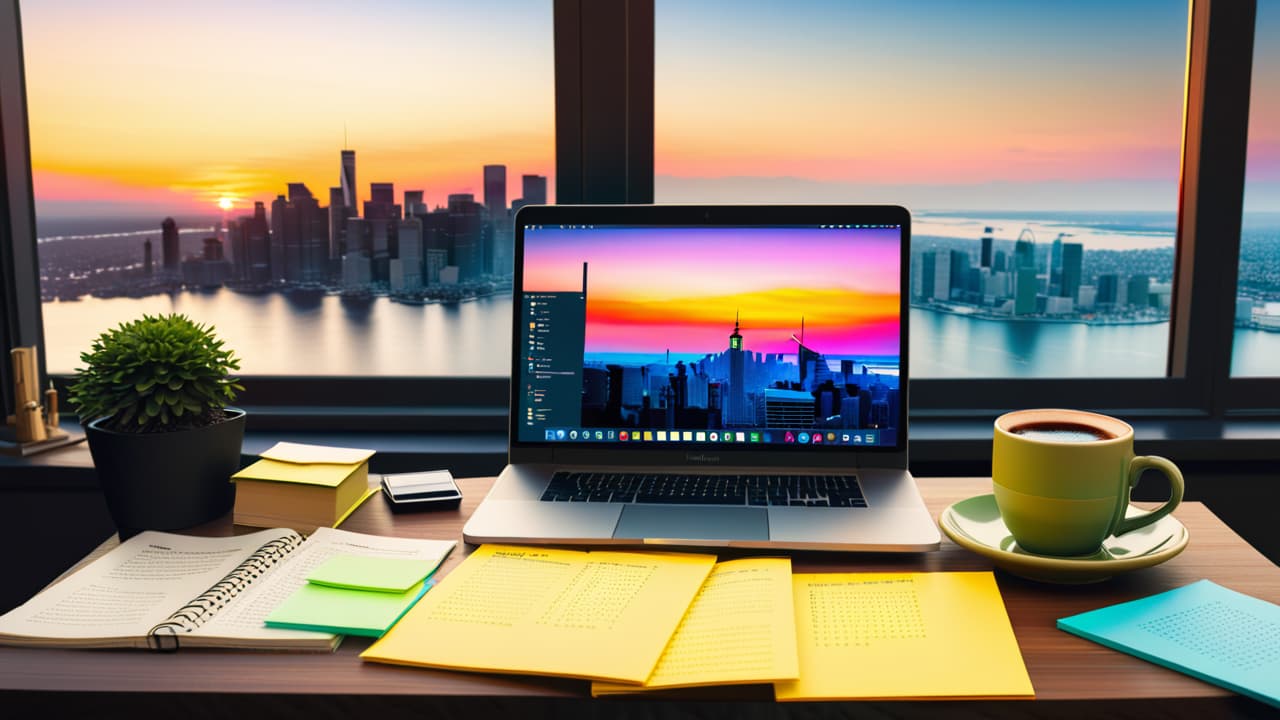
pixel 1071 676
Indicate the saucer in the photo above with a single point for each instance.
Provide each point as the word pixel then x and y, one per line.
pixel 975 524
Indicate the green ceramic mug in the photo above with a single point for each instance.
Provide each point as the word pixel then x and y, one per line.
pixel 1062 479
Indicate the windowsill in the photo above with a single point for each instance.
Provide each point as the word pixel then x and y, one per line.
pixel 938 447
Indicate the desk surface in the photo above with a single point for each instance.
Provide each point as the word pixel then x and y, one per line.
pixel 1062 667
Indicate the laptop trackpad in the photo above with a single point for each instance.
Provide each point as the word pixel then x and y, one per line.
pixel 684 522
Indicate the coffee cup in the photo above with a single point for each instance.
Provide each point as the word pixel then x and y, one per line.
pixel 1062 479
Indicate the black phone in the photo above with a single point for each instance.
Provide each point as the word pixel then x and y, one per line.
pixel 415 491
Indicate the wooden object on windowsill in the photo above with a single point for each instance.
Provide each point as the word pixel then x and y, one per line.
pixel 32 428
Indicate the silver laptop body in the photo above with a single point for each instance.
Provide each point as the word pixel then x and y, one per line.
pixel 661 347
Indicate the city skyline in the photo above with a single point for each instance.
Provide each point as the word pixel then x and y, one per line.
pixel 738 386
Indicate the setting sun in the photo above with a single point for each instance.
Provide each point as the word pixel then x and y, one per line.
pixel 226 203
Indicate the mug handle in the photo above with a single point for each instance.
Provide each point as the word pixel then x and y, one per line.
pixel 1171 471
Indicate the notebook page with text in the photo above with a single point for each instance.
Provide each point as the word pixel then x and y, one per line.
pixel 116 600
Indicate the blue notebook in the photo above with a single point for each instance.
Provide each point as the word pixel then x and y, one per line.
pixel 1202 629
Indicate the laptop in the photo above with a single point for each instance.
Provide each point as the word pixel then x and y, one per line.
pixel 709 376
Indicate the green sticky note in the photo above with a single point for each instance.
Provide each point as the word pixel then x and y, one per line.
pixel 377 574
pixel 342 611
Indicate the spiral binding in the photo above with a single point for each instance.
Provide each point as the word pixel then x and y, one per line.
pixel 164 636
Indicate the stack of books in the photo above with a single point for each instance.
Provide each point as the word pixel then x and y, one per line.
pixel 302 487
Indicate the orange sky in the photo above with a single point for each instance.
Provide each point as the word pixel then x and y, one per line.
pixel 147 103
pixel 154 105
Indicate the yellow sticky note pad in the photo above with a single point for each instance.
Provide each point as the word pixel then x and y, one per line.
pixel 898 635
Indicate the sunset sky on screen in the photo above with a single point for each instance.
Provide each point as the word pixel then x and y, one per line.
pixel 649 290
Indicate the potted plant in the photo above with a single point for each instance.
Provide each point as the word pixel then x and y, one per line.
pixel 154 398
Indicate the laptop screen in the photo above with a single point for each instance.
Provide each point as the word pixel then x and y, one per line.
pixel 691 335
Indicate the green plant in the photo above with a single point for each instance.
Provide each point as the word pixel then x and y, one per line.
pixel 159 373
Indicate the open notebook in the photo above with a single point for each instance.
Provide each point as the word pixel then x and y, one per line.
pixel 162 591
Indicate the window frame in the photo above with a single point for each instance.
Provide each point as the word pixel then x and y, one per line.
pixel 604 153
pixel 21 322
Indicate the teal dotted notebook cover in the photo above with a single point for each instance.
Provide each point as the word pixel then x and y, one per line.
pixel 1203 629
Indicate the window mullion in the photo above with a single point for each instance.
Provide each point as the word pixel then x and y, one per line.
pixel 1220 56
pixel 20 322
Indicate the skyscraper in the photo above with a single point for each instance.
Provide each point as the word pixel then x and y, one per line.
pixel 337 223
pixel 959 275
pixel 413 203
pixel 169 248
pixel 987 241
pixel 928 273
pixel 313 236
pixel 382 192
pixel 465 236
pixel 495 190
pixel 1024 290
pixel 257 243
pixel 1072 261
pixel 1024 251
pixel 941 274
pixel 382 218
pixel 1108 289
pixel 1055 266
pixel 1139 291
pixel 735 413
pixel 280 216
pixel 348 182
pixel 534 189
pixel 146 257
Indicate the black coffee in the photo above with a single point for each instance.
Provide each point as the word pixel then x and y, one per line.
pixel 1061 432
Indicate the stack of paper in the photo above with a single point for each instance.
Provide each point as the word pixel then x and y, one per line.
pixel 638 622
pixel 302 487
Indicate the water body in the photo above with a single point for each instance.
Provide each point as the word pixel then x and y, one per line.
pixel 1256 354
pixel 310 334
pixel 295 334
pixel 278 334
pixel 955 346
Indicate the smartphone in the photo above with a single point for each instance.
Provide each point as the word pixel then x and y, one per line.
pixel 412 492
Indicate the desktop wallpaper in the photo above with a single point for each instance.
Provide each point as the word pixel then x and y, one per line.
pixel 679 290
pixel 728 327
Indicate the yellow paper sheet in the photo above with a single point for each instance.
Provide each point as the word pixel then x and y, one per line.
pixel 739 629
pixel 900 635
pixel 325 474
pixel 598 615
pixel 305 454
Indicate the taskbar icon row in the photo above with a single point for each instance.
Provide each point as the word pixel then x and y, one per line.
pixel 772 436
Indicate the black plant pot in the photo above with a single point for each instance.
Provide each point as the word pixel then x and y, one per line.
pixel 167 480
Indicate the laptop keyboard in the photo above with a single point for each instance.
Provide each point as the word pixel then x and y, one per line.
pixel 694 489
